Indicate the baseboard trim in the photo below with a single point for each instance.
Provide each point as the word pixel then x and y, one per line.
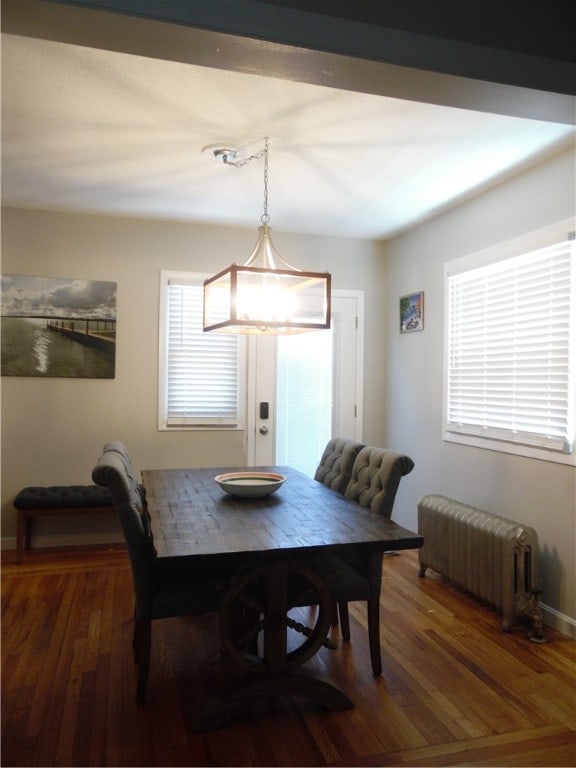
pixel 559 621
pixel 63 540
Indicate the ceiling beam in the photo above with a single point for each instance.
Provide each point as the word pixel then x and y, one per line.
pixel 262 39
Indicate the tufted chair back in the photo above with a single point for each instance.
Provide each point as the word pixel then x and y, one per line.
pixel 111 472
pixel 117 447
pixel 120 448
pixel 376 475
pixel 335 468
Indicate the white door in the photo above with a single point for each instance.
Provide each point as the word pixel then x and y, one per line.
pixel 306 388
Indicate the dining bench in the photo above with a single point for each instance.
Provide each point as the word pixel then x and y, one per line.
pixel 40 501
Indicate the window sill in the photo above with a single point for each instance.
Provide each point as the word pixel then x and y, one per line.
pixel 200 428
pixel 502 447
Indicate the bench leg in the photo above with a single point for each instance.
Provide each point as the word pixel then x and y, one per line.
pixel 27 531
pixel 21 531
pixel 24 519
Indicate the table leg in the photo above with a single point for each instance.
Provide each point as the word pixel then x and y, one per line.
pixel 263 592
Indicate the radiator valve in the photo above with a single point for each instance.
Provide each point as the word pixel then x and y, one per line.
pixel 533 613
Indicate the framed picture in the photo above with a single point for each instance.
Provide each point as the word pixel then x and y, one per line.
pixel 58 327
pixel 412 312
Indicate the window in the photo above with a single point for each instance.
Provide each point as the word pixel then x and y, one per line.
pixel 510 367
pixel 200 373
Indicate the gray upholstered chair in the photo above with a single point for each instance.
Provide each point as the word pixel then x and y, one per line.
pixel 162 588
pixel 115 446
pixel 335 471
pixel 376 475
pixel 335 467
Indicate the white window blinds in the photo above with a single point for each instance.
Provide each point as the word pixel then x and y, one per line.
pixel 510 361
pixel 202 386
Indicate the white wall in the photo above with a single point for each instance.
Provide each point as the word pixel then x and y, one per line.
pixel 53 429
pixel 538 493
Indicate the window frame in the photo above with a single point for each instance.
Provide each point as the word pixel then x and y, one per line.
pixel 238 424
pixel 543 238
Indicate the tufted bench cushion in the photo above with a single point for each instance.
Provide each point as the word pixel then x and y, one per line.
pixel 36 501
pixel 59 496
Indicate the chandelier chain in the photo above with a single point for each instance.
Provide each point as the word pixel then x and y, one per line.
pixel 265 218
pixel 229 158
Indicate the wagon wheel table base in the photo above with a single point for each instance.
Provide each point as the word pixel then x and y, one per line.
pixel 257 604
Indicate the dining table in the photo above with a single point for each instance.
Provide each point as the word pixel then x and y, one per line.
pixel 268 542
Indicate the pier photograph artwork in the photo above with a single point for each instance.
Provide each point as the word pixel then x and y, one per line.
pixel 58 327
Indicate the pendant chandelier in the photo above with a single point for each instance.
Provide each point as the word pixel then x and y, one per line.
pixel 265 295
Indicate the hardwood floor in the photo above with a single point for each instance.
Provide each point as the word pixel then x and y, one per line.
pixel 455 689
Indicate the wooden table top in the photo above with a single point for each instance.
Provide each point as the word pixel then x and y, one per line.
pixel 192 516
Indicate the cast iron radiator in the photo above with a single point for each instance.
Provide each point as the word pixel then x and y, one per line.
pixel 493 558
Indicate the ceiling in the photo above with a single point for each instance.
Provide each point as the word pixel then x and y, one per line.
pixel 106 131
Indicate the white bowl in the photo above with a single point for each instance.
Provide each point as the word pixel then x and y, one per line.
pixel 250 484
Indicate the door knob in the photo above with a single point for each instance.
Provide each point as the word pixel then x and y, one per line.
pixel 263 430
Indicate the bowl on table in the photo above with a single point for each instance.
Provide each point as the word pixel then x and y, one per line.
pixel 250 484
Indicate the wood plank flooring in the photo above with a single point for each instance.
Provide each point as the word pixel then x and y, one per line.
pixel 455 691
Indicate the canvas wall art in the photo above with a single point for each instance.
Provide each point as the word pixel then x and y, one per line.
pixel 58 327
pixel 412 312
